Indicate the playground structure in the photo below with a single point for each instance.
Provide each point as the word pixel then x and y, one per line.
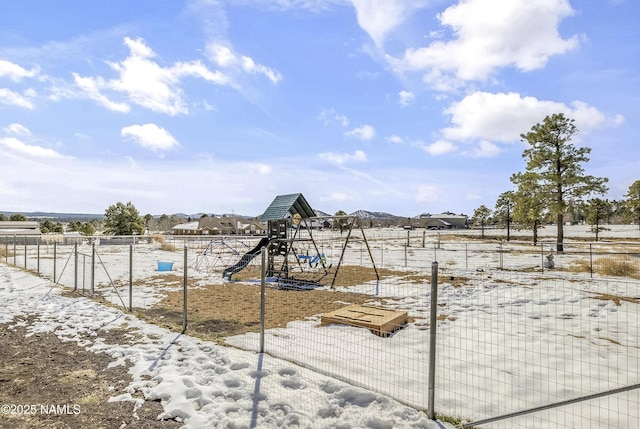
pixel 294 258
pixel 220 253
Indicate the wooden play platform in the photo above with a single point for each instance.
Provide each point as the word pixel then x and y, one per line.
pixel 381 322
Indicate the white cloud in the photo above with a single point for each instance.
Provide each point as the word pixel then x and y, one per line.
pixel 379 17
pixel 16 129
pixel 224 57
pixel 484 149
pixel 489 36
pixel 405 97
pixel 20 148
pixel 395 139
pixel 145 82
pixel 15 72
pixel 502 117
pixel 259 168
pixel 343 158
pixel 440 147
pixel 150 136
pixel 91 88
pixel 12 98
pixel 327 116
pixel 365 132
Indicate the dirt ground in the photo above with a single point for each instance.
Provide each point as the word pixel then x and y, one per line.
pixel 218 311
pixel 47 383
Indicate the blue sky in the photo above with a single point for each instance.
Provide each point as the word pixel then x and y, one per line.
pixel 403 106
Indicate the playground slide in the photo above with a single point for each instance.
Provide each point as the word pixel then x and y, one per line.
pixel 246 258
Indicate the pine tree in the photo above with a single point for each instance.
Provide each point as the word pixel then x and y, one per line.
pixel 556 167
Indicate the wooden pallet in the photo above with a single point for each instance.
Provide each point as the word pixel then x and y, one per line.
pixel 381 322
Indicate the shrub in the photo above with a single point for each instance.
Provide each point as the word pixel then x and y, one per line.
pixel 620 267
pixel 158 238
pixel 608 266
pixel 168 247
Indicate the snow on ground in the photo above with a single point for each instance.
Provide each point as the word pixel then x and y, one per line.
pixel 507 341
pixel 203 384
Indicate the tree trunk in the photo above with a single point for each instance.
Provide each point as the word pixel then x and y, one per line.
pixel 535 233
pixel 560 234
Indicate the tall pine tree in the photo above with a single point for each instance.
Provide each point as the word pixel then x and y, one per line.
pixel 556 167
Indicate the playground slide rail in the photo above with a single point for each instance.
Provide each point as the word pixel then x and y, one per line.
pixel 245 259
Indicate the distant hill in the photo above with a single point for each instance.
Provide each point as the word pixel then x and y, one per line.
pixel 321 213
pixel 60 217
pixel 365 214
pixel 85 217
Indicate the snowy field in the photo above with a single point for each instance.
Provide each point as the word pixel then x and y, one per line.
pixel 509 339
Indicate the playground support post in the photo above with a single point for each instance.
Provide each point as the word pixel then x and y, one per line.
pixel 433 320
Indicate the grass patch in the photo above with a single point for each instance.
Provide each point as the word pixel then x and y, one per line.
pixel 625 266
pixel 456 421
pixel 617 300
pixel 168 247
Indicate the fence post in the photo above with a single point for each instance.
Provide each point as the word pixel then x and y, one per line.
pixel 542 256
pixel 130 277
pixel 466 256
pixel 75 266
pixel 14 251
pixel 25 251
pixel 405 255
pixel 500 252
pixel 263 253
pixel 424 238
pixel 433 320
pixel 38 258
pixel 590 260
pixel 6 252
pixel 55 254
pixel 93 267
pixel 184 292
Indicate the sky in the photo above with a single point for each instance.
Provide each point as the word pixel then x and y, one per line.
pixel 217 106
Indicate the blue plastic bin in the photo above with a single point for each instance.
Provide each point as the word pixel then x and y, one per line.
pixel 165 266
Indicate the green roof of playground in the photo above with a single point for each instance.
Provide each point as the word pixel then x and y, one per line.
pixel 285 206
